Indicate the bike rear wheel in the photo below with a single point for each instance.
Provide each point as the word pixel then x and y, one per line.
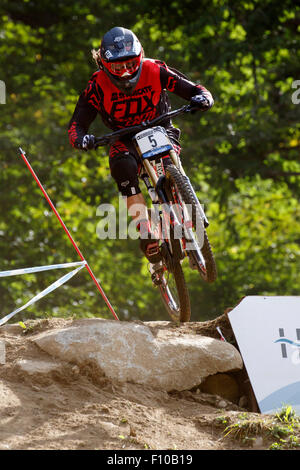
pixel 174 294
pixel 198 247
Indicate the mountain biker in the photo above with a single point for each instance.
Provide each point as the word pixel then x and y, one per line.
pixel 126 90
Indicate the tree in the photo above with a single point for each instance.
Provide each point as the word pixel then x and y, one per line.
pixel 242 156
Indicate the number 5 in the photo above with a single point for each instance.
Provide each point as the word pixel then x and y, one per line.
pixel 152 140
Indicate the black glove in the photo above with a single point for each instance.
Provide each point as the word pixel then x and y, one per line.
pixel 88 142
pixel 202 102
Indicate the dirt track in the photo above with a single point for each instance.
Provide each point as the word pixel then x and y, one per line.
pixel 78 408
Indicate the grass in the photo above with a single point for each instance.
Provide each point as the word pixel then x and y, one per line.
pixel 277 432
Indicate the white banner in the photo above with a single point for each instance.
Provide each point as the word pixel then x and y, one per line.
pixel 267 330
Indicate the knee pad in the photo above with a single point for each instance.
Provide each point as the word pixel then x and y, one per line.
pixel 124 170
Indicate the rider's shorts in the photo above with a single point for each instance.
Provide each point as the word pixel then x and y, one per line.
pixel 125 166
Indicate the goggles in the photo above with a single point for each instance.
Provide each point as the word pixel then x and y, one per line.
pixel 124 68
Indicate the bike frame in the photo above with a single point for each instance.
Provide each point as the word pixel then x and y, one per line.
pixel 132 130
pixel 169 189
pixel 153 174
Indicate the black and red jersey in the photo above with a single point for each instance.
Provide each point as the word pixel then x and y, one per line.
pixel 117 109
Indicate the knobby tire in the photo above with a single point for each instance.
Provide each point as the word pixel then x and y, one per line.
pixel 183 186
pixel 175 297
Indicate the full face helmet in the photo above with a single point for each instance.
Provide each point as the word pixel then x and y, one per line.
pixel 121 57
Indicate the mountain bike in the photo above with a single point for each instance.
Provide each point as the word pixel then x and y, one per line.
pixel 175 213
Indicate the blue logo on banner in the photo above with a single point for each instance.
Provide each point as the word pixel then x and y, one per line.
pixel 285 341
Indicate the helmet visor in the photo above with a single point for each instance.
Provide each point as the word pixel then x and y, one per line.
pixel 125 68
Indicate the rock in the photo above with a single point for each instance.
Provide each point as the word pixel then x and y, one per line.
pixel 9 329
pixel 2 352
pixel 243 401
pixel 223 385
pixel 222 404
pixel 129 352
pixel 258 443
pixel 10 403
pixel 37 366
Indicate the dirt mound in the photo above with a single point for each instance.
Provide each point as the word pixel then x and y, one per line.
pixel 78 408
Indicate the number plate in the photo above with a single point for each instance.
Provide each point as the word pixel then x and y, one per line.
pixel 153 141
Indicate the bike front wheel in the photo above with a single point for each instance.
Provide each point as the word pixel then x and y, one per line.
pixel 174 294
pixel 168 275
pixel 197 244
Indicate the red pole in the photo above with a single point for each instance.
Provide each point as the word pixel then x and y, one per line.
pixel 68 234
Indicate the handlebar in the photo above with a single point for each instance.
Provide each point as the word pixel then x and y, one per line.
pixel 126 131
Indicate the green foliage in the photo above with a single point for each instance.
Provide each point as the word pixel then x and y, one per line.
pixel 287 415
pixel 280 431
pixel 242 156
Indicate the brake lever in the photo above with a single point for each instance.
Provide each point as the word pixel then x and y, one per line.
pixel 101 142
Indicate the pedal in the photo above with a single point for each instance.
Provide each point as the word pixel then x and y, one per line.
pixel 192 263
pixel 152 249
pixel 156 270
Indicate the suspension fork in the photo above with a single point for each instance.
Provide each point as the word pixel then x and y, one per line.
pixel 170 216
pixel 177 162
pixel 155 187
